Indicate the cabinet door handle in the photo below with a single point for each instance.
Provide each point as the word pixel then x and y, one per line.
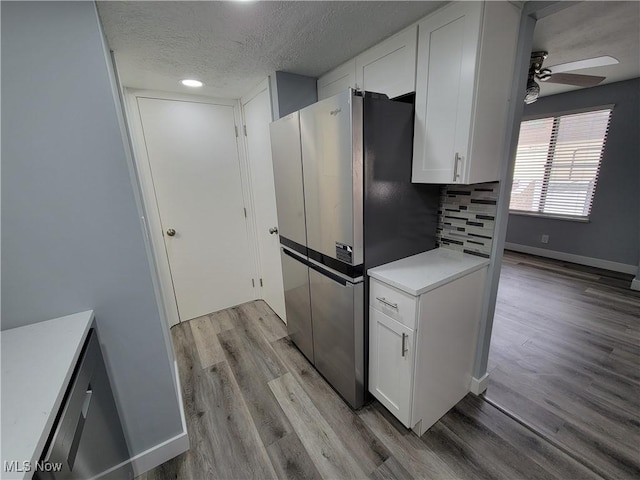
pixel 458 159
pixel 404 344
pixel 388 304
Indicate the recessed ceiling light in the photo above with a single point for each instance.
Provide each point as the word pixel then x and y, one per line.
pixel 191 83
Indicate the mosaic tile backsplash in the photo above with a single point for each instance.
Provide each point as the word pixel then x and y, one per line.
pixel 467 217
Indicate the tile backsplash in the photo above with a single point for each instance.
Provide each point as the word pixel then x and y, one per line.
pixel 467 217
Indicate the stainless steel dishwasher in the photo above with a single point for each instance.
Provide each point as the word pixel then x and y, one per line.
pixel 87 438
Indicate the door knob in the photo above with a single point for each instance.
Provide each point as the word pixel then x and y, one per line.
pixel 273 230
pixel 171 232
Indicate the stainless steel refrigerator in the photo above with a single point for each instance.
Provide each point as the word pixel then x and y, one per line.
pixel 345 203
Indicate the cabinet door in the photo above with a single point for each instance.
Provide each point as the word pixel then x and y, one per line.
pixel 389 67
pixel 337 80
pixel 447 51
pixel 391 355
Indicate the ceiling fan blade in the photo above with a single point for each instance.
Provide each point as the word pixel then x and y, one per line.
pixel 575 79
pixel 587 63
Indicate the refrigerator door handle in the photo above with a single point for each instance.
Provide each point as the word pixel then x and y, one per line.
pixel 294 255
pixel 344 276
pixel 331 276
pixel 322 271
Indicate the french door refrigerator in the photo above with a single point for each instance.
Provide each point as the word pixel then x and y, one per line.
pixel 345 203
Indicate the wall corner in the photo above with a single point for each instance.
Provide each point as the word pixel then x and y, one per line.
pixel 479 385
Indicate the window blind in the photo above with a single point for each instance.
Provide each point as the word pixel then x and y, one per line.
pixel 557 163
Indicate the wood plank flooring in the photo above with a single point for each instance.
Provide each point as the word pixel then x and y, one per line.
pixel 257 409
pixel 565 358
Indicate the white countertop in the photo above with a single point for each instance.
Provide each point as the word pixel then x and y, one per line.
pixel 37 363
pixel 423 272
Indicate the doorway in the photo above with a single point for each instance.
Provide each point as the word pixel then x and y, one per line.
pixel 564 353
pixel 190 166
pixel 256 110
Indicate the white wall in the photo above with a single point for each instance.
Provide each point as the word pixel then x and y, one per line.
pixel 72 239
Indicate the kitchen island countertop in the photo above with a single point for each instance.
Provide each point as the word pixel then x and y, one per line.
pixel 426 271
pixel 38 361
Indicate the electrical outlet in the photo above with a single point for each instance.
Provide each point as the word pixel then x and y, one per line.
pixel 544 238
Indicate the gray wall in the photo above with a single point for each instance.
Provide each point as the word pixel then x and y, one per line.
pixel 291 92
pixel 613 231
pixel 71 236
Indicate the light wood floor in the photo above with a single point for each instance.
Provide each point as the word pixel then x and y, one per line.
pixel 257 409
pixel 565 358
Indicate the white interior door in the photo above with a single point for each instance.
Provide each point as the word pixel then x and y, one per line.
pixel 257 116
pixel 194 162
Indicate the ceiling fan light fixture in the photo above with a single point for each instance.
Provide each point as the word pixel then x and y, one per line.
pixel 544 75
pixel 532 92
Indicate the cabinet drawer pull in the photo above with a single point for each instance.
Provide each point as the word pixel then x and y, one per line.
pixel 388 304
pixel 455 167
pixel 404 344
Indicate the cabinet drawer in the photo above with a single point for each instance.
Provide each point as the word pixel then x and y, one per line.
pixel 394 303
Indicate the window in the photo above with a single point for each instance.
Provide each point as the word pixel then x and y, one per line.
pixel 557 164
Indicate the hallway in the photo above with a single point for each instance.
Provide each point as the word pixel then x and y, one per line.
pixel 257 409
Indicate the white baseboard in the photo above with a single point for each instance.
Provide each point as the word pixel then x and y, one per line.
pixel 570 257
pixel 169 449
pixel 149 459
pixel 158 454
pixel 179 394
pixel 635 284
pixel 479 385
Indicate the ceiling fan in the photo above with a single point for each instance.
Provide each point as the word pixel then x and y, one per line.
pixel 557 73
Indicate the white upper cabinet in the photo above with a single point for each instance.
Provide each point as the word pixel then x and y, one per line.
pixel 466 55
pixel 390 66
pixel 337 80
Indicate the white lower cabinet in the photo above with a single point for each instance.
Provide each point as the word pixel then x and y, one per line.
pixel 420 373
pixel 391 360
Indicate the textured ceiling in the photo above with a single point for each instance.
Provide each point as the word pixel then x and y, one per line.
pixel 232 46
pixel 591 29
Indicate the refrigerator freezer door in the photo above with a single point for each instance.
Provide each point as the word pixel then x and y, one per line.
pixel 330 174
pixel 287 172
pixel 295 274
pixel 338 336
